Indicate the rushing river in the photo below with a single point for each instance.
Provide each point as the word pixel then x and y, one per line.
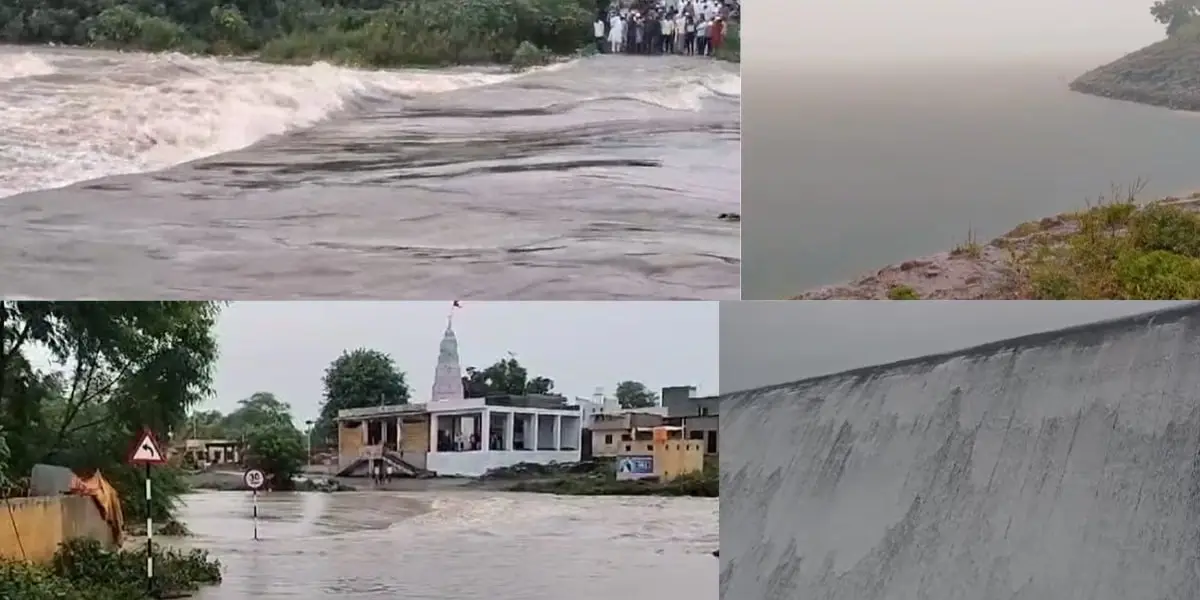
pixel 457 545
pixel 125 174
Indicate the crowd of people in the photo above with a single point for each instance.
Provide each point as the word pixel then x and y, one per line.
pixel 695 29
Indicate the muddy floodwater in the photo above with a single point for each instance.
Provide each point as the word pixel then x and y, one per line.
pixel 457 545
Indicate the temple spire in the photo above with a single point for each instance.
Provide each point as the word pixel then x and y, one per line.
pixel 447 376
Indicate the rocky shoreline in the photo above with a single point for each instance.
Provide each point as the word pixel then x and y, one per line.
pixel 1165 74
pixel 973 270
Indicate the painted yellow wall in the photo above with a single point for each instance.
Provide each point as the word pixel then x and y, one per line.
pixel 673 458
pixel 35 527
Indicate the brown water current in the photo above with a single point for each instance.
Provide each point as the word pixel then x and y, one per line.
pixel 456 545
pixel 168 176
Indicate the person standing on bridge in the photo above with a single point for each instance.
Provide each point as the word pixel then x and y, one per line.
pixel 598 31
pixel 668 32
pixel 616 33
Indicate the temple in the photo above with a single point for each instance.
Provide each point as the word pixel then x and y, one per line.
pixel 447 376
pixel 454 435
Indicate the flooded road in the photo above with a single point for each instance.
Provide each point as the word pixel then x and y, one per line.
pixel 457 545
pixel 138 175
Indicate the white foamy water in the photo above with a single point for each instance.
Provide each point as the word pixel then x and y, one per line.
pixel 17 66
pixel 690 92
pixel 132 113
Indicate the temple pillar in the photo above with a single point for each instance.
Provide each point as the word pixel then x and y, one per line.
pixel 510 425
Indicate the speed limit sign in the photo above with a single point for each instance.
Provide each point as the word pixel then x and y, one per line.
pixel 254 479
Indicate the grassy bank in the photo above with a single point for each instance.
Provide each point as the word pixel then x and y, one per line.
pixel 368 33
pixel 598 479
pixel 82 570
pixel 1118 250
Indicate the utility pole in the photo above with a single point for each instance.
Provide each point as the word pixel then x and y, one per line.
pixel 308 431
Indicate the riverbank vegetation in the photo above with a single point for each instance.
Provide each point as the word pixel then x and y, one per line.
pixel 367 33
pixel 83 570
pixel 598 478
pixel 80 380
pixel 1114 250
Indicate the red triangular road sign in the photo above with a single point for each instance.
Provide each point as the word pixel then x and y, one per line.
pixel 146 451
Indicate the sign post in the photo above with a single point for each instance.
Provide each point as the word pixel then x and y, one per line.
pixel 254 480
pixel 146 451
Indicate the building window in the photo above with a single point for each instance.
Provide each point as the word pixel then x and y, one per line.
pixel 695 435
pixel 628 447
pixel 625 437
pixel 650 447
pixel 703 411
pixel 712 443
pixel 608 439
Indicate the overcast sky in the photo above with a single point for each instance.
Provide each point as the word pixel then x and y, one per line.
pixel 284 347
pixel 823 30
pixel 764 343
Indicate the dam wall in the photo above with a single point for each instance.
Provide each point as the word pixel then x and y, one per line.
pixel 1063 465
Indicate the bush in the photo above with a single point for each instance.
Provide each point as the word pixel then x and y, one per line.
pixel 355 32
pixel 902 292
pixel 83 570
pixel 1118 251
pixel 704 483
pixel 278 450
pixel 527 56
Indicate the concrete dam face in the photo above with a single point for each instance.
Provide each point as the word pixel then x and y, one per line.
pixel 1058 466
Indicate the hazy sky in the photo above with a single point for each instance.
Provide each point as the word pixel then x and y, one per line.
pixel 764 343
pixel 890 29
pixel 284 347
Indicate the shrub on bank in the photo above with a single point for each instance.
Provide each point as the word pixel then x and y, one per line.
pixel 83 570
pixel 1116 251
pixel 704 483
pixel 356 32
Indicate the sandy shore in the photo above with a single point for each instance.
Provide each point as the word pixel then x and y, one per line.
pixel 973 271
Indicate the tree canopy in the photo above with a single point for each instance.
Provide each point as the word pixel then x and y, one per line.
pixel 505 376
pixel 79 380
pixel 1175 14
pixel 278 449
pixel 357 379
pixel 361 32
pixel 635 394
pixel 258 410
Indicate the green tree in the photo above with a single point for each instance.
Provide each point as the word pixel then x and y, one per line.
pixel 205 425
pixel 259 410
pixel 506 376
pixel 357 379
pixel 110 369
pixel 1175 14
pixel 277 448
pixel 635 394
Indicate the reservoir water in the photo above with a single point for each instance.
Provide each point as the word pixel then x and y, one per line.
pixel 895 162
